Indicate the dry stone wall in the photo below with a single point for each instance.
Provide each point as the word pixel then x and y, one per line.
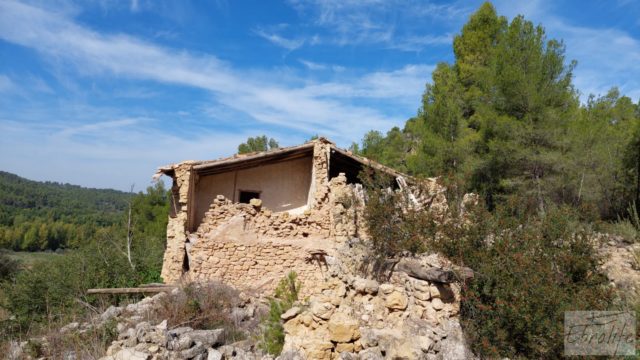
pixel 251 247
pixel 352 316
pixel 176 228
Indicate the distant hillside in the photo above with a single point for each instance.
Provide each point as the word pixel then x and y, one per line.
pixel 47 215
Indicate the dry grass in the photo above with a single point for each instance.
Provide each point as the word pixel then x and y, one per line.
pixel 205 306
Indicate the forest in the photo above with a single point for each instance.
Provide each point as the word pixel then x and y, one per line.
pixel 48 216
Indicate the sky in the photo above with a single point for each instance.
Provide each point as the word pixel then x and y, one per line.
pixel 100 93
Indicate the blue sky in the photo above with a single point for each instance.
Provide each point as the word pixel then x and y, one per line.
pixel 100 93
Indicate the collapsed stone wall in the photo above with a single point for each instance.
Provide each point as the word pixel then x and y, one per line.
pixel 249 246
pixel 403 317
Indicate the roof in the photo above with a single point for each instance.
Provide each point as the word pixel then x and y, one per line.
pixel 206 167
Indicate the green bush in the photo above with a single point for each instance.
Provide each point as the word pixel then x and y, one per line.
pixel 8 266
pixel 529 271
pixel 393 224
pixel 530 268
pixel 285 295
pixel 50 290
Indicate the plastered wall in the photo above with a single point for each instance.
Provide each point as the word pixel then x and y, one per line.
pixel 283 186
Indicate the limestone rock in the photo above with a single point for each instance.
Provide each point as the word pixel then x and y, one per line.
pixel 322 310
pixel 365 286
pixel 208 337
pixel 372 353
pixel 343 328
pixel 256 203
pixel 454 346
pixel 396 300
pixel 437 304
pixel 291 355
pixel 130 354
pixel 213 354
pixel 69 327
pixel 290 314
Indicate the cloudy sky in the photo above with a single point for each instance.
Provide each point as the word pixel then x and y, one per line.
pixel 99 93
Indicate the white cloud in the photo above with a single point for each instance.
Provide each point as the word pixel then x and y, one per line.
pixel 137 144
pixel 115 156
pixel 417 43
pixel 6 85
pixel 315 66
pixel 92 53
pixel 289 44
pixel 350 22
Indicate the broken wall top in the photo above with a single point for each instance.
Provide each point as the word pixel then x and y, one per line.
pixel 256 158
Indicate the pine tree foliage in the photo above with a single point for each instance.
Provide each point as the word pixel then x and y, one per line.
pixel 505 120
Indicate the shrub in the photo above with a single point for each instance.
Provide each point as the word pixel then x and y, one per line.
pixel 8 266
pixel 202 306
pixel 393 224
pixel 530 268
pixel 49 290
pixel 285 295
pixel 529 272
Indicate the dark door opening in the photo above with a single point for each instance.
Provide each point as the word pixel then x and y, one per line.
pixel 246 196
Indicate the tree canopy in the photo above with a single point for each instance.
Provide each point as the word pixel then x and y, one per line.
pixel 506 121
pixel 257 144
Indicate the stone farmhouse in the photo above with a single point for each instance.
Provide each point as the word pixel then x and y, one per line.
pixel 248 220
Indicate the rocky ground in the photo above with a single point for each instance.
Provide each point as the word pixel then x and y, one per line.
pixel 621 264
pixel 400 316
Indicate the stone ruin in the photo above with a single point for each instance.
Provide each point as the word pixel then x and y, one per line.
pixel 250 219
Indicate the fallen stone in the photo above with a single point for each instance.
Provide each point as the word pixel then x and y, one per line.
pixel 437 304
pixel 291 355
pixel 130 354
pixel 213 354
pixel 111 312
pixel 256 203
pixel 365 286
pixel 197 349
pixel 322 310
pixel 162 325
pixel 290 314
pixel 209 338
pixel 69 327
pixel 372 353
